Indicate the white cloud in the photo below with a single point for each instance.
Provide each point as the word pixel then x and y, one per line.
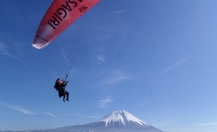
pixel 4 51
pixel 104 103
pixel 50 114
pixel 116 77
pixel 173 66
pixel 22 110
pixel 142 105
pixel 100 59
pixel 207 124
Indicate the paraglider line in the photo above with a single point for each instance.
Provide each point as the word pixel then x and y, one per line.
pixel 75 58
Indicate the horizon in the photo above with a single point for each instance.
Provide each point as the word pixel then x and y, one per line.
pixel 110 119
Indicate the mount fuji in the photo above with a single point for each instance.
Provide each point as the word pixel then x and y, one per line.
pixel 117 121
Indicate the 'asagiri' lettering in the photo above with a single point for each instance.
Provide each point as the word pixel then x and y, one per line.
pixel 61 12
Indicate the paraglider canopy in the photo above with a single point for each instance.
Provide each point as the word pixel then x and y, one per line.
pixel 58 17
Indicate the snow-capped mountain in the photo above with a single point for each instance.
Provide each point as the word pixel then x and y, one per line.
pixel 121 117
pixel 117 121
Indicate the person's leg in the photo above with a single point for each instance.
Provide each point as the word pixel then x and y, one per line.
pixel 59 94
pixel 64 98
pixel 67 96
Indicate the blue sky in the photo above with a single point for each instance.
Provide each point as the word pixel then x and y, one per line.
pixel 155 59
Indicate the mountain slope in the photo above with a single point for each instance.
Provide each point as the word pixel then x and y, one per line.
pixel 122 117
pixel 117 121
